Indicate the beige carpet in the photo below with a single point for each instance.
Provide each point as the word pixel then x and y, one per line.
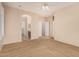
pixel 39 48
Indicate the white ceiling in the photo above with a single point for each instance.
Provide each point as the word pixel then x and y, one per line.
pixel 36 7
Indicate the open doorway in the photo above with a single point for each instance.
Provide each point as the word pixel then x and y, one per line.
pixel 26 27
pixel 45 29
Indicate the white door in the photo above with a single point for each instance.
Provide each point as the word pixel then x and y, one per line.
pixel 46 28
pixel 43 29
pixel 40 28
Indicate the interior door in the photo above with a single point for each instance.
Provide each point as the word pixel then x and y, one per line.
pixel 45 29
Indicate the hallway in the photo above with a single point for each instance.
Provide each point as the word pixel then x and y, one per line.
pixel 40 47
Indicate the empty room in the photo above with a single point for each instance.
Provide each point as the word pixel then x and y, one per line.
pixel 39 29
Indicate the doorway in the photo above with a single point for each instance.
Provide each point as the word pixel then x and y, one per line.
pixel 26 27
pixel 45 29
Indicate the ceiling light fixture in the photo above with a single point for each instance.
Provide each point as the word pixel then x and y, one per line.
pixel 45 7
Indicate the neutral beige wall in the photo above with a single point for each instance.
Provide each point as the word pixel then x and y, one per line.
pixel 13 25
pixel 66 25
